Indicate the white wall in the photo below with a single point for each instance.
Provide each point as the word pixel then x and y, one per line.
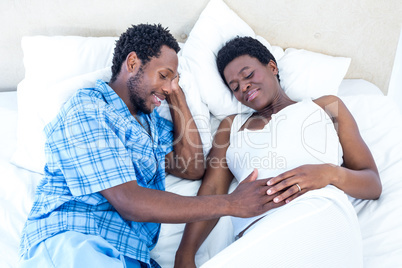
pixel 366 30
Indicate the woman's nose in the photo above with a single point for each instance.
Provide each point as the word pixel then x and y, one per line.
pixel 245 86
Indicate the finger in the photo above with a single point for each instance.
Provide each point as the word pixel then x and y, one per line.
pixel 252 177
pixel 283 185
pixel 270 198
pixel 270 204
pixel 288 193
pixel 293 197
pixel 281 177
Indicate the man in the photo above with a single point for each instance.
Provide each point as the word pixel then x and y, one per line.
pixel 102 198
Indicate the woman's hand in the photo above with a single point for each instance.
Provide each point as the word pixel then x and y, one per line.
pixel 300 180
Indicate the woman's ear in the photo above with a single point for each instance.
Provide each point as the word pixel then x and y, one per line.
pixel 272 66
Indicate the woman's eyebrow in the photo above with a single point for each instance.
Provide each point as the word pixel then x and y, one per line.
pixel 241 70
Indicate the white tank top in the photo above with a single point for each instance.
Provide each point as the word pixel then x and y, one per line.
pixel 301 133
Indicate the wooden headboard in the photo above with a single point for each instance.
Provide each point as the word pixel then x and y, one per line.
pixel 365 30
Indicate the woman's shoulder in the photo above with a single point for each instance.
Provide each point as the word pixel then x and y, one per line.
pixel 226 123
pixel 327 100
pixel 235 121
pixel 336 109
pixel 331 104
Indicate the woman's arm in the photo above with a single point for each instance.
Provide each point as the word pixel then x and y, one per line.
pixel 358 177
pixel 217 180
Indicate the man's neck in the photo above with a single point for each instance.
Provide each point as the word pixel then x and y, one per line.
pixel 121 90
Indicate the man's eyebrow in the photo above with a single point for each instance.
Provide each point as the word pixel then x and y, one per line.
pixel 170 70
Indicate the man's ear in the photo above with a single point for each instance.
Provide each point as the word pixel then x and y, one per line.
pixel 132 62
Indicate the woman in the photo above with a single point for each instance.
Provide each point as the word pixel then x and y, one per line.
pixel 315 155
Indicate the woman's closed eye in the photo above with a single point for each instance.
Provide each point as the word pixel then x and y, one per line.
pixel 235 88
pixel 250 75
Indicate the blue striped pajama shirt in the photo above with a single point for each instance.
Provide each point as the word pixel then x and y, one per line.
pixel 93 144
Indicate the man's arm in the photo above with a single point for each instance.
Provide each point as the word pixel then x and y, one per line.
pixel 187 158
pixel 136 203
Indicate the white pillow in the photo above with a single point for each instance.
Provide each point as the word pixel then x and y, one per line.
pixel 37 106
pixel 51 59
pixel 29 140
pixel 218 24
pixel 306 74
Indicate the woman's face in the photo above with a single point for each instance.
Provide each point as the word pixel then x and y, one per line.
pixel 253 84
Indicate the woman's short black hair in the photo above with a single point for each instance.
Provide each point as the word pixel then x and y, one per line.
pixel 145 40
pixel 240 46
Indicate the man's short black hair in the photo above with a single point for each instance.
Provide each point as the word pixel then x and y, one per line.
pixel 145 40
pixel 240 46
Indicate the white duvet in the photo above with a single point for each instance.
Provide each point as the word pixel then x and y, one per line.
pixel 381 220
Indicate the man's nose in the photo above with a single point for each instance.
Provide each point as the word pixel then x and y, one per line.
pixel 167 88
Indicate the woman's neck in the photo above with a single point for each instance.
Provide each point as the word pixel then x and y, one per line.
pixel 279 102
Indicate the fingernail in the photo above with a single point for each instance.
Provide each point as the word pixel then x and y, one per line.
pixel 269 183
pixel 269 191
pixel 276 200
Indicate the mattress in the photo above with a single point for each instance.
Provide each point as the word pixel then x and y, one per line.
pixel 380 220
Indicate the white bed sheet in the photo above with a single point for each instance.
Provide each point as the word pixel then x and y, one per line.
pixel 381 221
pixel 17 185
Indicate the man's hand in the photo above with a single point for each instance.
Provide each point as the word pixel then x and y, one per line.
pixel 187 158
pixel 175 84
pixel 250 198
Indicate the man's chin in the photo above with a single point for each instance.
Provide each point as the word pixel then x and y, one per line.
pixel 148 110
pixel 145 109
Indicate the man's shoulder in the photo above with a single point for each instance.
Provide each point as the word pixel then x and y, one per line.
pixel 84 101
pixel 92 92
pixel 83 97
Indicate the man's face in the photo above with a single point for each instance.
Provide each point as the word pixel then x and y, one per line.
pixel 153 81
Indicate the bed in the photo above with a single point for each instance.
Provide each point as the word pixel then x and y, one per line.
pixel 305 73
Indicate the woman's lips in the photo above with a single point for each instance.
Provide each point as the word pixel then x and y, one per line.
pixel 252 94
